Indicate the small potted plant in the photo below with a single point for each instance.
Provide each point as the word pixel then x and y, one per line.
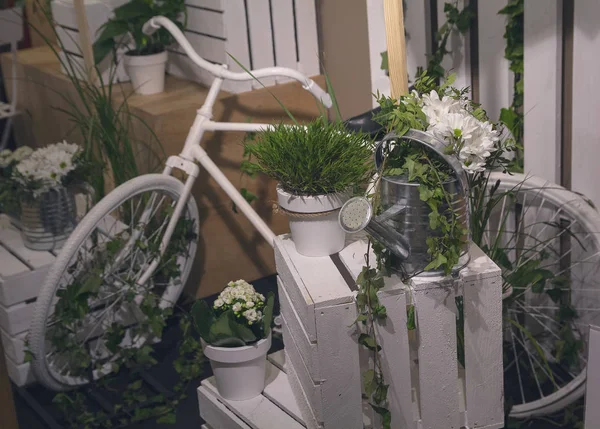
pixel 44 184
pixel 146 61
pixel 236 337
pixel 317 166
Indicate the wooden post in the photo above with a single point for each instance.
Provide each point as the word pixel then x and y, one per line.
pixel 85 41
pixel 396 46
pixel 8 417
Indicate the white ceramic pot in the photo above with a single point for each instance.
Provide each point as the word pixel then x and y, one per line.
pixel 315 235
pixel 239 371
pixel 147 72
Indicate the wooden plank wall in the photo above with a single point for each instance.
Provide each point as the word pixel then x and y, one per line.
pixel 562 130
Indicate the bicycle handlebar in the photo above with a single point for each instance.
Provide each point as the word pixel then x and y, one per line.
pixel 218 70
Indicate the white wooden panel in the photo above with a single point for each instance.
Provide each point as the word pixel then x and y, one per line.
pixel 308 350
pixel 353 256
pixel 592 397
pixel 495 78
pixel 236 32
pixel 205 21
pixel 436 326
pixel 308 43
pixel 9 265
pixel 69 40
pixel 278 391
pixel 16 319
pixel 393 338
pixel 209 4
pixel 417 41
pixel 215 413
pixel 377 44
pixel 306 410
pixel 542 80
pixel 586 104
pixel 11 239
pixel 11 25
pixel 208 48
pixel 261 38
pixel 182 66
pixel 258 413
pixel 14 347
pixel 459 60
pixel 284 38
pixel 21 375
pixel 483 343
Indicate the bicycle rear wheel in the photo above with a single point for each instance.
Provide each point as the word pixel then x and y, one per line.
pixel 547 241
pixel 92 307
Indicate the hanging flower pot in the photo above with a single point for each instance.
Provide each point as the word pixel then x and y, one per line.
pixel 147 72
pixel 236 337
pixel 314 221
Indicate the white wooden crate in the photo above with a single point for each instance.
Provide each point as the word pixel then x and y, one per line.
pixel 428 388
pixel 318 310
pixel 258 34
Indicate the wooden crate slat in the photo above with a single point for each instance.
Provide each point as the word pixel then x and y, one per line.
pixel 238 45
pixel 16 319
pixel 278 390
pixel 261 38
pixel 258 413
pixel 393 337
pixel 592 398
pixel 14 346
pixel 459 61
pixel 306 410
pixel 283 35
pixel 484 370
pixel 205 21
pixel 309 351
pixel 495 78
pixel 418 41
pixel 308 42
pixel 215 413
pixel 542 81
pixel 353 256
pixel 296 289
pixel 436 324
pixel 10 265
pixel 21 375
pixel 209 48
pixel 209 4
pixel 320 276
pixel 11 239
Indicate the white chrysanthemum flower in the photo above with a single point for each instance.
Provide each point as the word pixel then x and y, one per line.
pixel 436 109
pixel 218 303
pixel 22 153
pixel 237 307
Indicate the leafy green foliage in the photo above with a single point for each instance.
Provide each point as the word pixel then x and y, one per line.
pixel 319 158
pixel 226 329
pixel 130 18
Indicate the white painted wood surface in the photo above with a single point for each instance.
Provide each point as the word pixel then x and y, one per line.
pixel 11 29
pixel 261 38
pixel 21 375
pixel 380 82
pixel 586 105
pixel 592 398
pixel 14 346
pixel 459 59
pixel 284 38
pixel 307 39
pixel 543 87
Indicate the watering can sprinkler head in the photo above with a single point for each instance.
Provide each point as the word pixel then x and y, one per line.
pixel 357 215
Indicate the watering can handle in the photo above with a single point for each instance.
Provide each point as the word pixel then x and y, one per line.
pixel 432 143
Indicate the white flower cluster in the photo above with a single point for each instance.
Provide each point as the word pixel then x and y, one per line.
pixel 48 166
pixel 7 157
pixel 450 120
pixel 245 302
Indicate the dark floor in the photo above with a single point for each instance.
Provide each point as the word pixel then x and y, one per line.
pixel 188 416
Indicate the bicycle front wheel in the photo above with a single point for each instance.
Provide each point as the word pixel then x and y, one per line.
pixel 92 307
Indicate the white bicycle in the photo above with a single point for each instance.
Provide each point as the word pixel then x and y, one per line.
pixel 126 263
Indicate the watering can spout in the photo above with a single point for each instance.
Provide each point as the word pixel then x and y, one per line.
pixel 357 214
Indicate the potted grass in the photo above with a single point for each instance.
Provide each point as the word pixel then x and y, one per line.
pixel 317 167
pixel 236 337
pixel 146 61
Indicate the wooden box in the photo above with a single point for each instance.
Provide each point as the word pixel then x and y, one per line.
pixel 318 311
pixel 257 33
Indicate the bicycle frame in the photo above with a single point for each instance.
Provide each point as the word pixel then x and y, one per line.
pixel 192 151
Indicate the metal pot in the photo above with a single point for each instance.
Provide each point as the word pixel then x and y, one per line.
pixel 403 225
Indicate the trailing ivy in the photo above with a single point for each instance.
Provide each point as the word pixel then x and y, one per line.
pixel 512 116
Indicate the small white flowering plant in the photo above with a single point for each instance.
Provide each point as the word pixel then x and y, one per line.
pixel 238 317
pixel 448 114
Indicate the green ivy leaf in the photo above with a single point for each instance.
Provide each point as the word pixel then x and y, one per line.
pixel 169 419
pixel 203 317
pixel 369 382
pixel 410 318
pixel 369 342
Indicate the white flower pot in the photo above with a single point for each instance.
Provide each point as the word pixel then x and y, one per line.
pixel 147 72
pixel 239 371
pixel 318 235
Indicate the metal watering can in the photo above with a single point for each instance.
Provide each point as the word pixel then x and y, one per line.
pixel 403 225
